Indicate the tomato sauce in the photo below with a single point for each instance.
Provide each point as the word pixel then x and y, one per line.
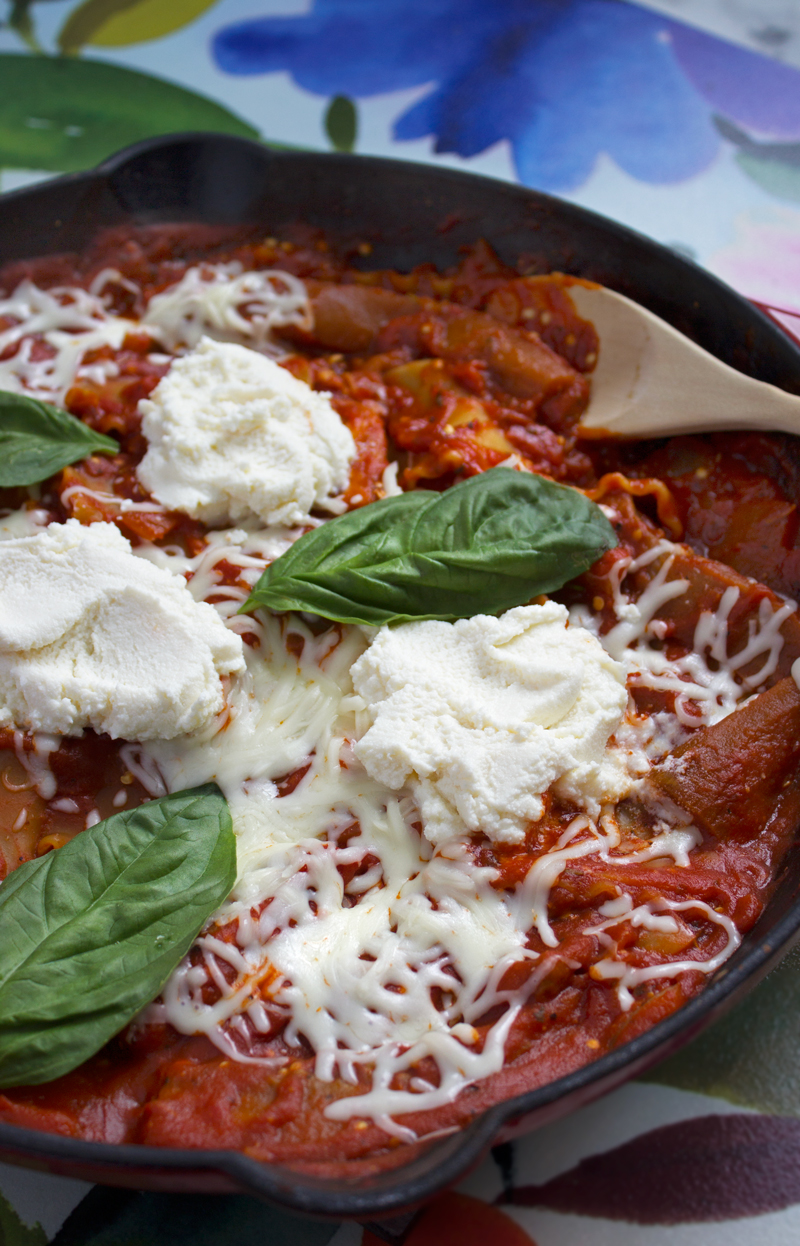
pixel 445 375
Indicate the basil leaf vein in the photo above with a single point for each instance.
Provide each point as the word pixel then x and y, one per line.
pixel 91 932
pixel 492 542
pixel 37 439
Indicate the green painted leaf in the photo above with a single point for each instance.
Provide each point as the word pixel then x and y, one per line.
pixel 492 542
pixel 773 166
pixel 37 440
pixel 91 932
pixel 63 114
pixel 341 123
pixel 129 1218
pixel 119 23
pixel 777 177
pixel 20 20
pixel 752 1056
pixel 14 1232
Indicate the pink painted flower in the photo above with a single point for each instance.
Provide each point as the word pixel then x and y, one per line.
pixel 764 260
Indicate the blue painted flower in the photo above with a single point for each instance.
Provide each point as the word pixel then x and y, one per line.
pixel 561 80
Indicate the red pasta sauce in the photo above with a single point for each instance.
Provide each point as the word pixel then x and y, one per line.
pixel 447 375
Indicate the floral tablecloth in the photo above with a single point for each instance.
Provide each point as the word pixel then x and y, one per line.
pixel 680 118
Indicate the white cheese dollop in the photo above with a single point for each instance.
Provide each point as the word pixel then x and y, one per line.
pixel 232 435
pixel 480 717
pixel 92 636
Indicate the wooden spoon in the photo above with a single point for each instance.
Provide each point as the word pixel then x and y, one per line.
pixel 651 381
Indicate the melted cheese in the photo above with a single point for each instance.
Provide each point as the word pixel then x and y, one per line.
pixel 353 969
pixel 704 680
pixel 415 916
pixel 221 301
pixel 70 321
pixel 36 761
pixel 655 915
pixel 210 301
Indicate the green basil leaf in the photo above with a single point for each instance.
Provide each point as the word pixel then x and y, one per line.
pixel 37 440
pixel 492 542
pixel 91 932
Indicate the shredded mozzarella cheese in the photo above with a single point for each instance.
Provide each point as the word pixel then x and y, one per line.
pixel 334 955
pixel 354 968
pixel 42 349
pixel 400 963
pixel 210 300
pixel 647 916
pixel 704 680
pixel 69 321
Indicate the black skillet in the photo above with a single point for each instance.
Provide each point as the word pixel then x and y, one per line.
pixel 409 213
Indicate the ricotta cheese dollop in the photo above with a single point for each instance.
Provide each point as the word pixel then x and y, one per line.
pixel 480 717
pixel 93 636
pixel 233 436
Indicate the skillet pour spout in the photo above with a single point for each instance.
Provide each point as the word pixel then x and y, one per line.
pixel 408 214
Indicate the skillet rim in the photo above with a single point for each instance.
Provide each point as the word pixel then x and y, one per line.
pixel 394 1191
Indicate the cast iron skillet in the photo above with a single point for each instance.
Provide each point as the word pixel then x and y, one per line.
pixel 409 213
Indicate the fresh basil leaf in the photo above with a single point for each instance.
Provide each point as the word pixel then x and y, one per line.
pixel 37 440
pixel 91 932
pixel 492 542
